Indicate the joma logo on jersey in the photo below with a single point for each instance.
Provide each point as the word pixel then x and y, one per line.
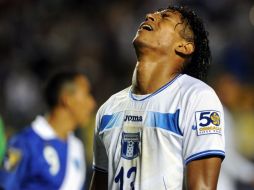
pixel 130 145
pixel 133 118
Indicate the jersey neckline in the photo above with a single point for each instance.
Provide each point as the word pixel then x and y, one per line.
pixel 147 96
pixel 42 128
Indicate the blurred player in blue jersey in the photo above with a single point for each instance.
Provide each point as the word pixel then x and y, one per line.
pixel 47 155
pixel 168 124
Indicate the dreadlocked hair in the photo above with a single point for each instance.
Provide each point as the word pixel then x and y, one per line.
pixel 201 57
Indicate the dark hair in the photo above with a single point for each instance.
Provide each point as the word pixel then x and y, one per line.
pixel 55 84
pixel 201 57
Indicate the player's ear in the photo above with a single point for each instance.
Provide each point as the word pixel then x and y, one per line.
pixel 66 95
pixel 185 48
pixel 65 99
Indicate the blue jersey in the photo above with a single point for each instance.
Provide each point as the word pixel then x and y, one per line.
pixel 37 159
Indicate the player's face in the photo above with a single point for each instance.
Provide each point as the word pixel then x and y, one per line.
pixel 160 31
pixel 82 102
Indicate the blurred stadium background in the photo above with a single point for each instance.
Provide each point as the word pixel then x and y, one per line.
pixel 94 36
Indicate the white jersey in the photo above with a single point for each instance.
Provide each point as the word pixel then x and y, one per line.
pixel 144 142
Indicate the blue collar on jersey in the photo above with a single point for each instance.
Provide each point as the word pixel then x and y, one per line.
pixel 156 92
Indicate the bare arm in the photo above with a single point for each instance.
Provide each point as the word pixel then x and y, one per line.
pixel 99 181
pixel 203 174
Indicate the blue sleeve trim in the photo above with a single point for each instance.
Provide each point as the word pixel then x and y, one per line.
pixel 99 169
pixel 205 154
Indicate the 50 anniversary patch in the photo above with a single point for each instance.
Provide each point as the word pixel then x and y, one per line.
pixel 208 122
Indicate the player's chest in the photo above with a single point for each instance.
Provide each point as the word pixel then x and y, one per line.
pixel 127 131
pixel 136 115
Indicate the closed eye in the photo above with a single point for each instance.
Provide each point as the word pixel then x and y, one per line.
pixel 165 15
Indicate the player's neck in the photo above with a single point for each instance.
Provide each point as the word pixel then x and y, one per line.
pixel 152 73
pixel 61 122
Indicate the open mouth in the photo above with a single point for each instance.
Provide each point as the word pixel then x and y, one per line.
pixel 146 27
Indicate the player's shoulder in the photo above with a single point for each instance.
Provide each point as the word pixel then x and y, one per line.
pixel 34 133
pixel 20 145
pixel 115 100
pixel 23 137
pixel 196 92
pixel 194 86
pixel 121 95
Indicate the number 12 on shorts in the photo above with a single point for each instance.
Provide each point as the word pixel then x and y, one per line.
pixel 121 175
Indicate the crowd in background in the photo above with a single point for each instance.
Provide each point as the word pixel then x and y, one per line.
pixel 38 37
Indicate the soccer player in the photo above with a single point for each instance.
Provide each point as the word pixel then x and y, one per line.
pixel 47 155
pixel 168 124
